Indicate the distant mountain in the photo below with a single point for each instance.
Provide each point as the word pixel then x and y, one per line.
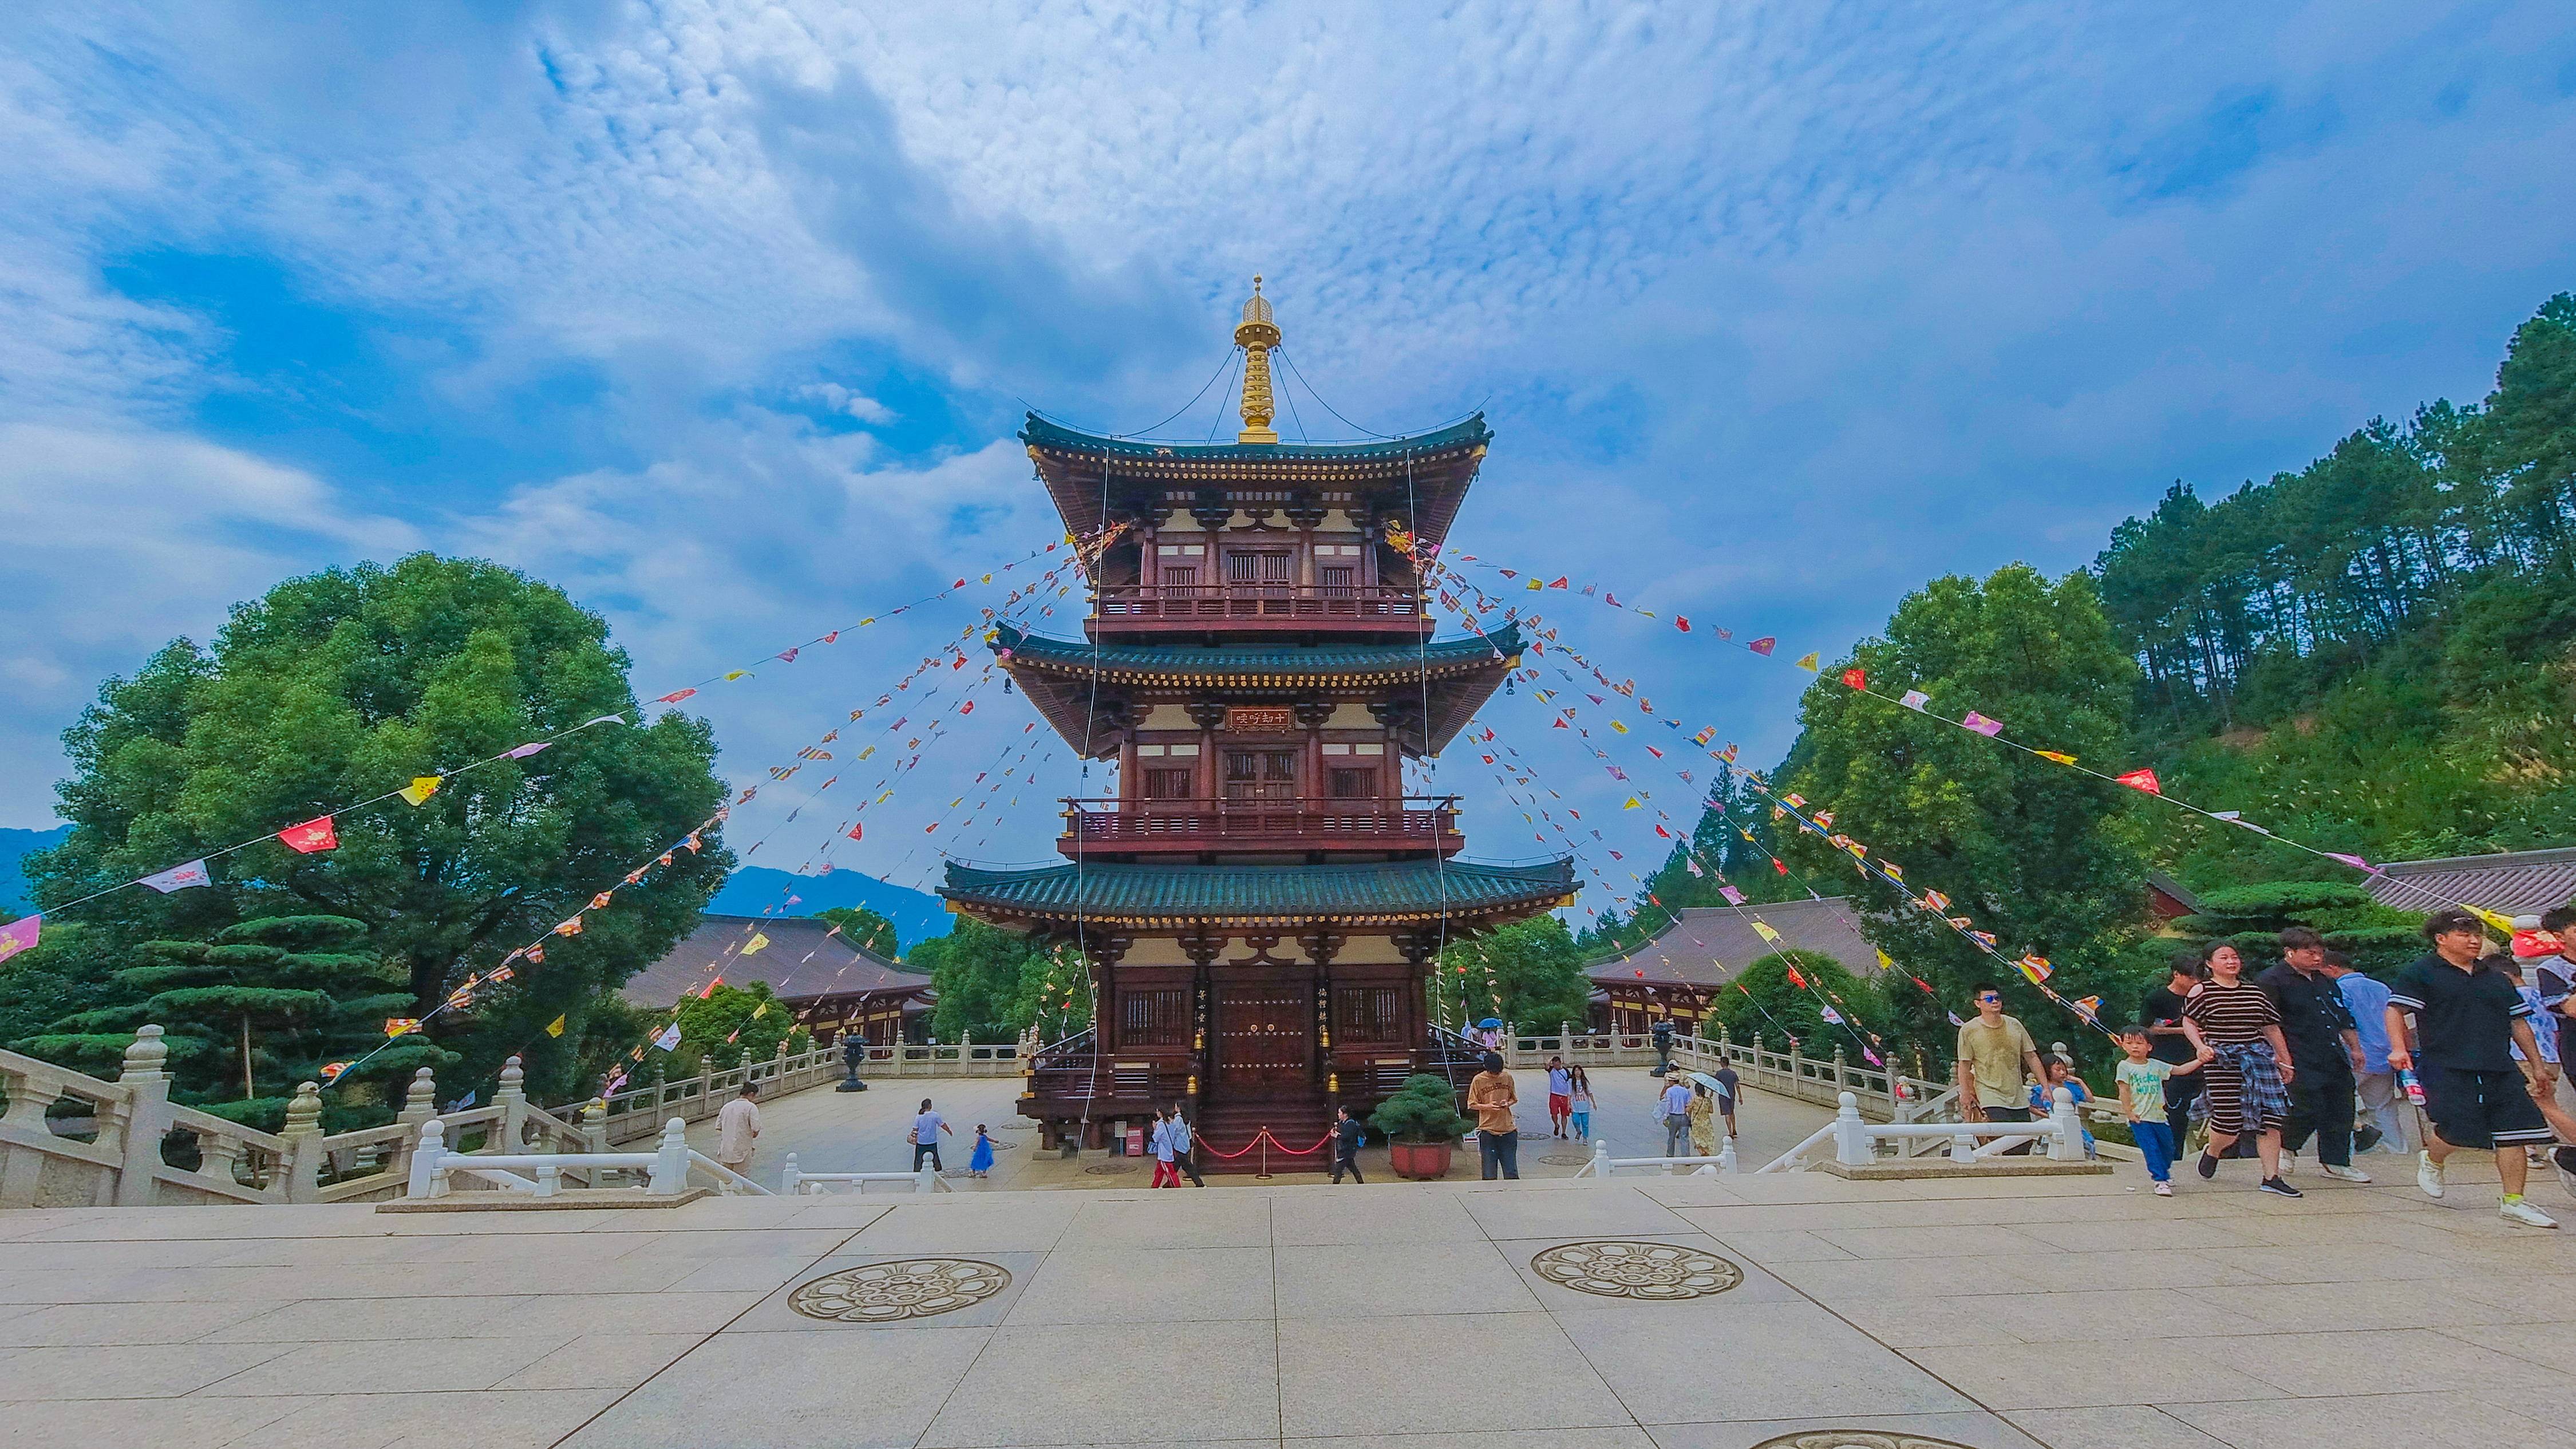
pixel 14 846
pixel 753 889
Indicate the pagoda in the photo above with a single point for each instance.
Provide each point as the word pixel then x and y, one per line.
pixel 1260 902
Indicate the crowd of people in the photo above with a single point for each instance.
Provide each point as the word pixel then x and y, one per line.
pixel 2312 1051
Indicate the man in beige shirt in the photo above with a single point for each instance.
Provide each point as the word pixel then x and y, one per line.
pixel 1492 1097
pixel 1997 1063
pixel 737 1127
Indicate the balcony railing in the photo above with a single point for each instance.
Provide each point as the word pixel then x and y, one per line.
pixel 1190 603
pixel 1409 822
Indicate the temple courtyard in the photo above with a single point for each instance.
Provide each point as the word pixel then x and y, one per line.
pixel 1722 1313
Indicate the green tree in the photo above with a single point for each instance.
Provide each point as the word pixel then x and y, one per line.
pixel 730 1024
pixel 262 1006
pixel 865 929
pixel 2037 854
pixel 1534 967
pixel 1771 1004
pixel 341 685
pixel 2378 938
pixel 978 971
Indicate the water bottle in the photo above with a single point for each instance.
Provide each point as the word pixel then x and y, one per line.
pixel 2414 1088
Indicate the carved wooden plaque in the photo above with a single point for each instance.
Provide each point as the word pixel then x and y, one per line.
pixel 1244 719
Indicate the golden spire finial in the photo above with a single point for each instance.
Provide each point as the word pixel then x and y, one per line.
pixel 1256 337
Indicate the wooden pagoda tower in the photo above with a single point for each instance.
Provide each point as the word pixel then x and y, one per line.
pixel 1260 902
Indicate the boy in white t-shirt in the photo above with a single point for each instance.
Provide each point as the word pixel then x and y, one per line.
pixel 2142 1101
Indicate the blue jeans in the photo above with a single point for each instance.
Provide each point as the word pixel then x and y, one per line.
pixel 2155 1142
pixel 1501 1150
pixel 1582 1126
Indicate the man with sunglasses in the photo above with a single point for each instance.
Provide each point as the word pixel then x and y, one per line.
pixel 1998 1061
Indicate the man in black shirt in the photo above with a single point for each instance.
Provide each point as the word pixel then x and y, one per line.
pixel 2325 1053
pixel 1347 1133
pixel 2167 1042
pixel 2466 1015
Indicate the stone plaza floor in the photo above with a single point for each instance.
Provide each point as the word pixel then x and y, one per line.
pixel 1997 1314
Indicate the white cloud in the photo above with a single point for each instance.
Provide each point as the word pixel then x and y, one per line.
pixel 127 540
pixel 1794 304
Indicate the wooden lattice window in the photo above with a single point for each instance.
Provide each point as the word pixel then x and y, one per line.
pixel 1369 1014
pixel 1167 783
pixel 1159 1017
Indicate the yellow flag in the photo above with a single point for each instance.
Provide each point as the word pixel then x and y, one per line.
pixel 1535 585
pixel 737 674
pixel 2054 755
pixel 1765 932
pixel 988 578
pixel 1631 805
pixel 555 1027
pixel 1808 664
pixel 421 788
pixel 1886 962
pixel 1614 724
pixel 757 942
pixel 2501 923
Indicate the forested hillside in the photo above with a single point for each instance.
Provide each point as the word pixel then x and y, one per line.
pixel 2375 653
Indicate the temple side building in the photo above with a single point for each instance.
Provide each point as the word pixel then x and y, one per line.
pixel 1259 901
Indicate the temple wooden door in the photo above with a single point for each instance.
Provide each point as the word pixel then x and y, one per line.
pixel 1265 1038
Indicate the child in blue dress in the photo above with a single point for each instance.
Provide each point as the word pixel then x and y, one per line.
pixel 982 1162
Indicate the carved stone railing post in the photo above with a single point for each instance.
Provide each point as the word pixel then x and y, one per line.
pixel 1797 1068
pixel 594 1138
pixel 510 1133
pixel 420 1104
pixel 147 1121
pixel 1842 1069
pixel 300 1174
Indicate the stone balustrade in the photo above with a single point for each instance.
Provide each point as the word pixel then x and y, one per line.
pixel 142 1149
pixel 1884 1094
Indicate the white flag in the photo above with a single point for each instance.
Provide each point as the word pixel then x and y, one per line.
pixel 1915 699
pixel 669 1038
pixel 180 877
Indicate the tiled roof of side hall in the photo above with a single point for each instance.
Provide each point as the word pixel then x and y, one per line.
pixel 803 960
pixel 1359 659
pixel 1708 945
pixel 1040 432
pixel 1416 889
pixel 2517 883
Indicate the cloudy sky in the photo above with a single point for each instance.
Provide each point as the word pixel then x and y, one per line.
pixel 721 315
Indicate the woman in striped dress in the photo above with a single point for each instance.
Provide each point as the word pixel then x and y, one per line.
pixel 2236 1028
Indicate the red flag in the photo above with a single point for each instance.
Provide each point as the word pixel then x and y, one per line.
pixel 2141 780
pixel 855 829
pixel 1763 645
pixel 1856 679
pixel 311 837
pixel 675 696
pixel 1776 865
pixel 1682 622
pixel 1795 979
pixel 1560 582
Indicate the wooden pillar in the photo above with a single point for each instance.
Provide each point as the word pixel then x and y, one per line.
pixel 1207 715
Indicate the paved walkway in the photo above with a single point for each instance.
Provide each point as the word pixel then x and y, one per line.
pixel 2079 1313
pixel 864 1132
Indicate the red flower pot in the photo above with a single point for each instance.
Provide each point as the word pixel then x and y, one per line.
pixel 1420 1161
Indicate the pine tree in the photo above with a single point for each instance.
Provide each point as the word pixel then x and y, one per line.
pixel 250 1012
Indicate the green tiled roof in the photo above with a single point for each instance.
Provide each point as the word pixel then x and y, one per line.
pixel 1041 433
pixel 1163 659
pixel 1414 889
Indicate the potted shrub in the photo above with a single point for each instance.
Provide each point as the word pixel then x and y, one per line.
pixel 1422 1127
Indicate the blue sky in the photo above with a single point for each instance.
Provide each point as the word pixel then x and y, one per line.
pixel 720 315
